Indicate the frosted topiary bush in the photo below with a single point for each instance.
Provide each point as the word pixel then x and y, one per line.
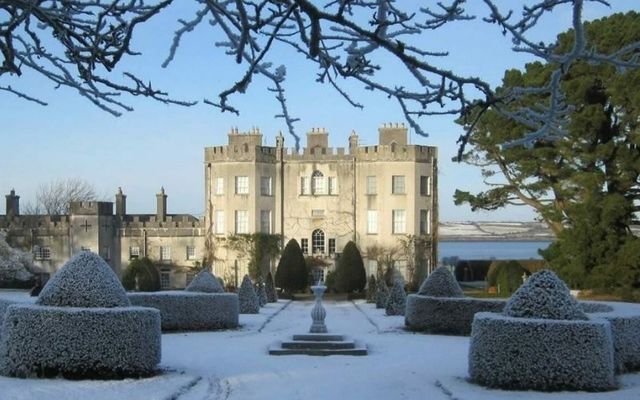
pixel 14 263
pixel 98 343
pixel 542 341
pixel 261 293
pixel 441 283
pixel 397 299
pixel 205 282
pixel 270 288
pixel 81 327
pixel 191 311
pixel 371 289
pixel 382 294
pixel 546 296
pixel 446 315
pixel 247 297
pixel 86 280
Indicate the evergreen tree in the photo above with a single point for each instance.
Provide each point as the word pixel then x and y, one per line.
pixel 141 275
pixel 584 185
pixel 382 294
pixel 261 293
pixel 397 299
pixel 270 289
pixel 371 289
pixel 350 273
pixel 291 274
pixel 249 303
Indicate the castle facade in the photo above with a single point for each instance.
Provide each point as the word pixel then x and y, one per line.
pixel 377 196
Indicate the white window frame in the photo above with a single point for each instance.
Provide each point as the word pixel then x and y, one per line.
pixel 265 221
pixel 333 185
pixel 304 245
pixel 241 222
pixel 372 222
pixel 399 222
pixel 425 188
pixel 134 252
pixel 318 242
pixel 398 184
pixel 266 186
pixel 219 222
pixel 191 252
pixel 425 222
pixel 219 186
pixel 318 183
pixel 305 187
pixel 165 279
pixel 165 253
pixel 372 184
pixel 41 253
pixel 242 185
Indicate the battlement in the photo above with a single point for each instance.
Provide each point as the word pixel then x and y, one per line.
pixel 251 138
pixel 240 152
pixel 91 208
pixel 395 152
pixel 23 223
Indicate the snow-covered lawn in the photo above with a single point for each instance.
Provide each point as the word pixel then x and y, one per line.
pixel 235 365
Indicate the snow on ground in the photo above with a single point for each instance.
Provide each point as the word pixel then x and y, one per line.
pixel 234 364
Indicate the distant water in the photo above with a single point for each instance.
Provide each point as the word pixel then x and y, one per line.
pixel 487 250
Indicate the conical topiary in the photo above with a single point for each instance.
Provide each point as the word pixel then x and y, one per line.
pixel 205 282
pixel 261 293
pixel 397 299
pixel 441 283
pixel 247 297
pixel 291 274
pixel 86 280
pixel 270 288
pixel 382 294
pixel 544 296
pixel 371 289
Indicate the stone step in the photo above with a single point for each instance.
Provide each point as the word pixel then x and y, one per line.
pixel 319 337
pixel 357 351
pixel 307 344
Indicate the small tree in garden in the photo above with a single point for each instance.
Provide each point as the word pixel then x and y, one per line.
pixel 249 303
pixel 351 275
pixel 397 299
pixel 371 289
pixel 141 275
pixel 270 289
pixel 261 293
pixel 382 294
pixel 291 274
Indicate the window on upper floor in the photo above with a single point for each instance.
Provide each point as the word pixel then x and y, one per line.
pixel 372 221
pixel 218 186
pixel 371 185
pixel 266 186
pixel 425 186
pixel 304 245
pixel 399 222
pixel 242 222
pixel 265 221
pixel 219 222
pixel 191 252
pixel 165 253
pixel 397 184
pixel 305 189
pixel 333 185
pixel 318 183
pixel 242 185
pixel 425 222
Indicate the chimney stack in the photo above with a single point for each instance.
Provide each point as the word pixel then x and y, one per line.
pixel 161 213
pixel 121 203
pixel 13 204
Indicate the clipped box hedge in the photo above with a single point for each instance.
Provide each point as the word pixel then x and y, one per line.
pixel 186 311
pixel 541 354
pixel 625 328
pixel 446 315
pixel 79 342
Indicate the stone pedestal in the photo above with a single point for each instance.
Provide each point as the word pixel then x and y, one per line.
pixel 317 312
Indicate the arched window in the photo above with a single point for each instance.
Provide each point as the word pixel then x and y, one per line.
pixel 317 242
pixel 317 183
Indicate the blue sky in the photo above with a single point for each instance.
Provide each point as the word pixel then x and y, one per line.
pixel 159 145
